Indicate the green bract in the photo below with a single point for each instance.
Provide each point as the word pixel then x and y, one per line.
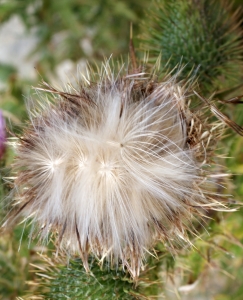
pixel 72 282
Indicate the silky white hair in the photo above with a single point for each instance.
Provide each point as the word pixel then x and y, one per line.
pixel 114 166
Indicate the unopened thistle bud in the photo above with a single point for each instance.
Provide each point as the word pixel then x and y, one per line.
pixel 116 165
pixel 204 34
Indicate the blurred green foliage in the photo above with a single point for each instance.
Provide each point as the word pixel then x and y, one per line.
pixel 14 264
pixel 61 25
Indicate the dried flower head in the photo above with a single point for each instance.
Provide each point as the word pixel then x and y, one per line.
pixel 116 165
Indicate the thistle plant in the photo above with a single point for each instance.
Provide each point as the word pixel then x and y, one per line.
pixel 124 161
pixel 205 36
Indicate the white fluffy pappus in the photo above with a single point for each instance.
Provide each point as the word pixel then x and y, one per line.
pixel 114 166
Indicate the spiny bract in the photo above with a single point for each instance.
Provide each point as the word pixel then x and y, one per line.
pixel 115 165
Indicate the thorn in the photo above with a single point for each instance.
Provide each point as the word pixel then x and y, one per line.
pixel 132 51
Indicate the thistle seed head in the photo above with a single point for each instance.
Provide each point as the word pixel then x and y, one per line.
pixel 115 165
